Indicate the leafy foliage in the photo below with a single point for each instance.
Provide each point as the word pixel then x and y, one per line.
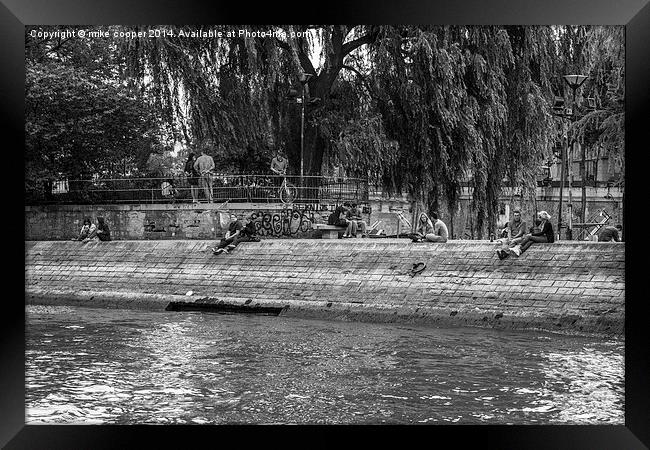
pixel 78 125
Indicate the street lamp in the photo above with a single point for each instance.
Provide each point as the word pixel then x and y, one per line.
pixel 574 82
pixel 304 79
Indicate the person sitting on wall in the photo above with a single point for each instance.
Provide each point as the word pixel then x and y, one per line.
pixel 335 217
pixel 354 216
pixel 347 221
pixel 88 231
pixel 610 234
pixel 237 232
pixel 536 228
pixel 440 233
pixel 545 235
pixel 424 227
pixel 340 218
pixel 249 232
pixel 515 231
pixel 103 232
pixel 234 231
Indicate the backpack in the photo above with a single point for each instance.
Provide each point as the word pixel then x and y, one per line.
pixel 334 217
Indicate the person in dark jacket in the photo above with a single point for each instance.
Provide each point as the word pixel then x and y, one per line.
pixel 545 235
pixel 103 232
pixel 338 217
pixel 192 177
pixel 237 232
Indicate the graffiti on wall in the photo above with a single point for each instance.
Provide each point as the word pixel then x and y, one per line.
pixel 287 222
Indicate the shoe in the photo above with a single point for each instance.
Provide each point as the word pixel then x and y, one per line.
pixel 502 254
pixel 224 250
pixel 514 251
pixel 217 251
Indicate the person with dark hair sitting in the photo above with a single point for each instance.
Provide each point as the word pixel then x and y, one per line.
pixel 336 219
pixel 440 233
pixel 515 230
pixel 103 232
pixel 237 232
pixel 610 234
pixel 88 231
pixel 344 220
pixel 424 227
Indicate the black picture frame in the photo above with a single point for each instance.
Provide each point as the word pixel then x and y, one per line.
pixel 634 14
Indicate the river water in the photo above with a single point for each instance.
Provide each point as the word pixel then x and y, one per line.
pixel 93 366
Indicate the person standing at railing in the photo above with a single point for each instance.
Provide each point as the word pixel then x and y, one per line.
pixel 192 177
pixel 279 166
pixel 204 165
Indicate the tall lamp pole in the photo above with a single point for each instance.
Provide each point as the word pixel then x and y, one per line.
pixel 574 82
pixel 303 80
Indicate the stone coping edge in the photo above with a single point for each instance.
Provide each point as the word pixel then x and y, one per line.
pixel 611 325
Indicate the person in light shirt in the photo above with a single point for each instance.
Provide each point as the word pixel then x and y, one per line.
pixel 204 165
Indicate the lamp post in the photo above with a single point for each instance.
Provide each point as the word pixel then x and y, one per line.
pixel 574 82
pixel 303 80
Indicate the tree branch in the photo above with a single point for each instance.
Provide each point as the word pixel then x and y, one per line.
pixel 365 39
pixel 359 74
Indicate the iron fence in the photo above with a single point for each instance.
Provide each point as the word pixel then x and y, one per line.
pixel 233 188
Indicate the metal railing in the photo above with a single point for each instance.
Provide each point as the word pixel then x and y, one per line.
pixel 233 188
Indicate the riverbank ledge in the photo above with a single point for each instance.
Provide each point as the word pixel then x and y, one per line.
pixel 566 287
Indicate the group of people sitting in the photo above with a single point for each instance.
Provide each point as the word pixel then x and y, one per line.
pixel 516 238
pixel 89 231
pixel 430 229
pixel 349 215
pixel 237 232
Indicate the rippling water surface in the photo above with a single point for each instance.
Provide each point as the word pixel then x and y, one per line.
pixel 125 367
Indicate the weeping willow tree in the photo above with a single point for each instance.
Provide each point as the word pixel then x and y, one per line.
pixel 234 92
pixel 464 103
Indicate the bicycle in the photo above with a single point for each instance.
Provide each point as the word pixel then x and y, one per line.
pixel 287 191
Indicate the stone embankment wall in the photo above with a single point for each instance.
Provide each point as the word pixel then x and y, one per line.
pixel 567 287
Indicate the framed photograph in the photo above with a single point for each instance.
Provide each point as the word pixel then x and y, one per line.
pixel 420 217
